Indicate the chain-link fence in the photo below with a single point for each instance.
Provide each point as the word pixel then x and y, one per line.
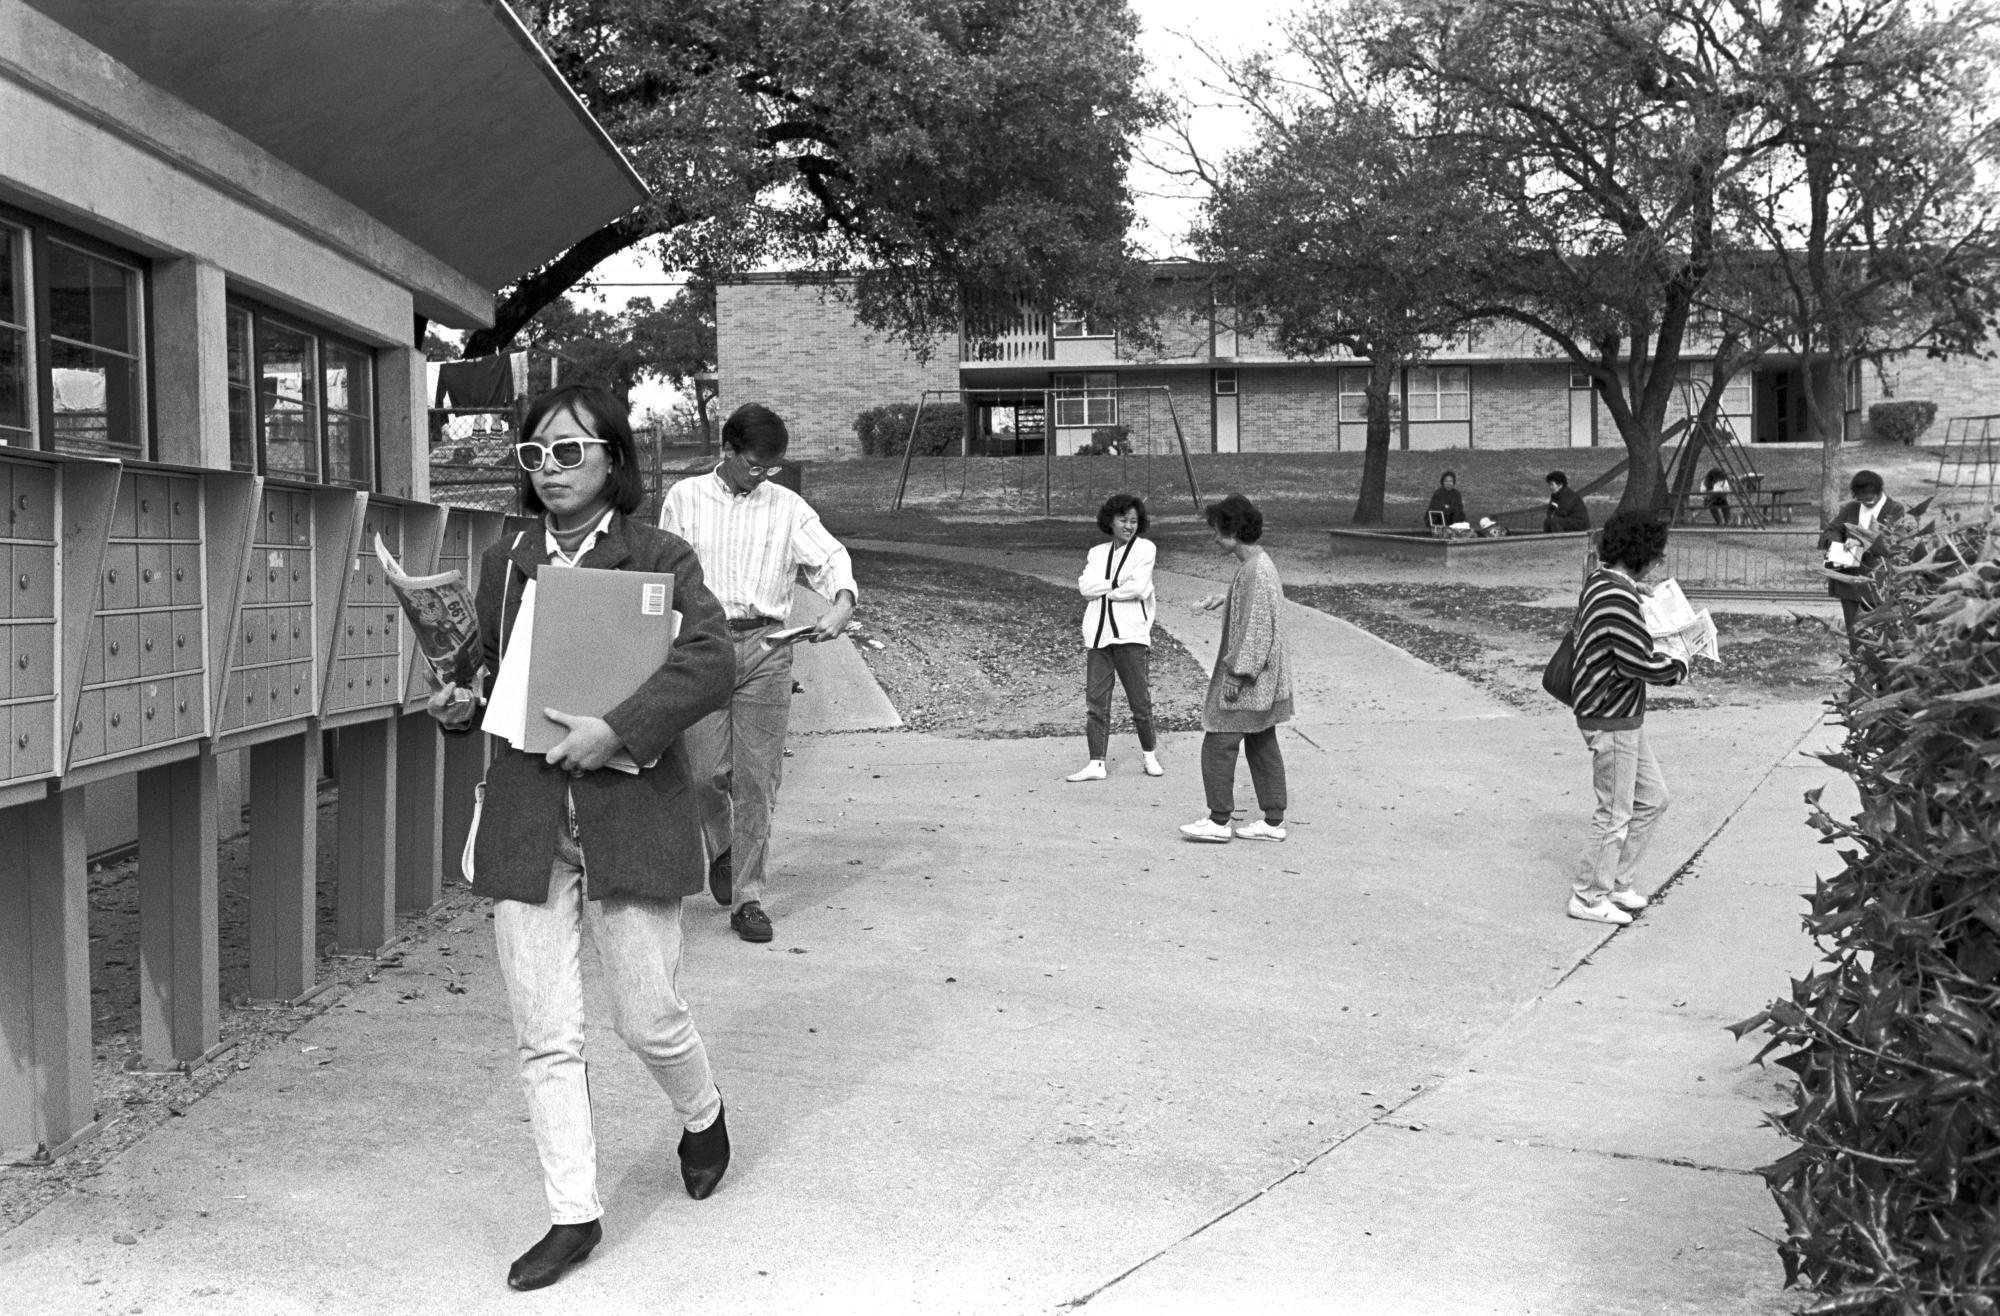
pixel 472 458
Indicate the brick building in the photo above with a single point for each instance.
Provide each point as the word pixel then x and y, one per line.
pixel 798 348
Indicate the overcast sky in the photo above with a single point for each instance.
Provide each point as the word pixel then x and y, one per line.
pixel 1174 32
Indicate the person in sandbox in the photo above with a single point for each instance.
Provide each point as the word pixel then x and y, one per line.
pixel 1566 510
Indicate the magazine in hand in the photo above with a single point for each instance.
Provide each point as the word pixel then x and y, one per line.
pixel 440 611
pixel 779 639
pixel 1677 629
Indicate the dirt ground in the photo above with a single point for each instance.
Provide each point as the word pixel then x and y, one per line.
pixel 991 654
pixel 1500 636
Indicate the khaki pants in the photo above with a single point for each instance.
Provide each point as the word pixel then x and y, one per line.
pixel 738 758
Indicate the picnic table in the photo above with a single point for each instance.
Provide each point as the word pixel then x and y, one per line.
pixel 1771 505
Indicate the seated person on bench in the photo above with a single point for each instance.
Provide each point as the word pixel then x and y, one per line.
pixel 1566 510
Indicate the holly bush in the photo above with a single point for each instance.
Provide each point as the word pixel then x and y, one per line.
pixel 1891 1199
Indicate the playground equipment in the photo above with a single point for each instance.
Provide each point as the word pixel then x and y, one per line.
pixel 1970 456
pixel 1125 439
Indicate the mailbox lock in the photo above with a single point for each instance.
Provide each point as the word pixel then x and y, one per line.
pixel 22 662
pixel 21 741
pixel 112 575
pixel 147 575
pixel 24 580
pixel 149 645
pixel 116 718
pixel 114 646
pixel 145 504
pixel 180 642
pixel 182 707
pixel 180 573
pixel 149 712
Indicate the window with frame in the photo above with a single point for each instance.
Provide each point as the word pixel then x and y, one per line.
pixel 1078 326
pixel 1439 393
pixel 1086 400
pixel 301 400
pixel 1353 397
pixel 72 342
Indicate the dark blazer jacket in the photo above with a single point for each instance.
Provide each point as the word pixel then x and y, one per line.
pixel 1448 501
pixel 1836 530
pixel 641 835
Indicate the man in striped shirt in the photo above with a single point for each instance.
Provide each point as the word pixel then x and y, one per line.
pixel 752 537
pixel 1615 662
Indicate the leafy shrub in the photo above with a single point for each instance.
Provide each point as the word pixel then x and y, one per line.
pixel 884 430
pixel 1108 440
pixel 1899 422
pixel 1891 1200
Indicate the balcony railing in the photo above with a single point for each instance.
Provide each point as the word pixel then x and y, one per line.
pixel 1024 339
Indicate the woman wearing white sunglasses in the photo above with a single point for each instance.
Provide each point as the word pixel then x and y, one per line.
pixel 566 845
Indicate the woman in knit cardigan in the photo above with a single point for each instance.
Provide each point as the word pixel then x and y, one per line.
pixel 1117 581
pixel 1615 662
pixel 1250 692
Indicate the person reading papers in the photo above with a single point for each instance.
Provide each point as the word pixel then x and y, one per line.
pixel 567 846
pixel 753 537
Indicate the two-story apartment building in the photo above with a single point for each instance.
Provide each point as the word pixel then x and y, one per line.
pixel 1050 378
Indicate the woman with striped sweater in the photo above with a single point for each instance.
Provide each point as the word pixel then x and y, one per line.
pixel 1615 662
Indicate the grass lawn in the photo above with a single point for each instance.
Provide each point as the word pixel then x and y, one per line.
pixel 855 496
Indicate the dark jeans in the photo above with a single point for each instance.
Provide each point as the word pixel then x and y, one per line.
pixel 1127 663
pixel 1267 772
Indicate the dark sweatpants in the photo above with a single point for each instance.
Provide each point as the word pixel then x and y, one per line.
pixel 1267 772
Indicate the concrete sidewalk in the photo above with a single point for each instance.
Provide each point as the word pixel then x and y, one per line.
pixel 1016 1046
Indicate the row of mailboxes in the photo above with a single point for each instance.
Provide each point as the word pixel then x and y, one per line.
pixel 146 608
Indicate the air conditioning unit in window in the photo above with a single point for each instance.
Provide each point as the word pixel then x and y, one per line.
pixel 1225 383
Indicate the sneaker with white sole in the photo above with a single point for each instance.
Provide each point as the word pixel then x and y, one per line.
pixel 1628 900
pixel 1260 831
pixel 1205 829
pixel 1091 771
pixel 1153 768
pixel 1601 912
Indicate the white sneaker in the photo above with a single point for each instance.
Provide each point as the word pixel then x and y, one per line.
pixel 1628 900
pixel 1205 829
pixel 1153 768
pixel 1260 831
pixel 1601 912
pixel 1091 771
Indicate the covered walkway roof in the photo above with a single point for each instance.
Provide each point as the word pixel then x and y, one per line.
pixel 441 118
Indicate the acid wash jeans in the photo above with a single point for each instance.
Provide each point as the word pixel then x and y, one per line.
pixel 1631 796
pixel 541 960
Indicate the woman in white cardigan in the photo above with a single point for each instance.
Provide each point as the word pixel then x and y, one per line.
pixel 1117 581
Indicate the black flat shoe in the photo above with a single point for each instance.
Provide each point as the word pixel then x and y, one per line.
pixel 704 1156
pixel 722 879
pixel 562 1247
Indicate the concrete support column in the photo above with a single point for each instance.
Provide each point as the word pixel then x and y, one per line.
pixel 419 821
pixel 464 769
pixel 180 1013
pixel 190 344
pixel 45 1094
pixel 284 866
pixel 405 420
pixel 365 916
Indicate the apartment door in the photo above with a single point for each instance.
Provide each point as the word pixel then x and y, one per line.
pixel 1224 418
pixel 1582 411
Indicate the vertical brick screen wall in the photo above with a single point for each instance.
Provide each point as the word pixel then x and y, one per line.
pixel 1146 413
pixel 1959 387
pixel 1520 405
pixel 806 359
pixel 1293 409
